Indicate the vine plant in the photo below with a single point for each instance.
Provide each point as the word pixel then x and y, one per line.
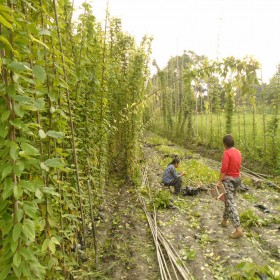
pixel 60 82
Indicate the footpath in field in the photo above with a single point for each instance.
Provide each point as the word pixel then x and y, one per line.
pixel 124 239
pixel 193 225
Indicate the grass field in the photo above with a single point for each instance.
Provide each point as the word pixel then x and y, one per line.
pixel 259 144
pixel 242 128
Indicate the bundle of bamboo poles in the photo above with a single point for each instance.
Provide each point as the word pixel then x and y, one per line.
pixel 171 265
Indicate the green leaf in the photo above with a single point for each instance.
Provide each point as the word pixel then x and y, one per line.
pixel 14 245
pixel 14 153
pixel 54 162
pixel 5 271
pixel 55 134
pixel 18 66
pixel 30 186
pixel 50 190
pixel 19 215
pixel 39 194
pixel 18 168
pixel 6 42
pixel 30 210
pixel 29 149
pixel 8 188
pixel 25 269
pixel 23 99
pixel 5 22
pixel 8 225
pixel 18 110
pixel 28 229
pixel 42 134
pixel 17 123
pixel 39 103
pixel 6 171
pixel 17 191
pixel 45 245
pixel 5 115
pixel 43 166
pixel 27 254
pixel 3 130
pixel 45 32
pixel 16 232
pixel 52 246
pixel 5 9
pixel 54 240
pixel 11 91
pixel 17 271
pixel 3 205
pixel 17 259
pixel 39 73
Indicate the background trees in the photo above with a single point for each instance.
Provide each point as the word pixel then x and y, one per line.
pixel 218 97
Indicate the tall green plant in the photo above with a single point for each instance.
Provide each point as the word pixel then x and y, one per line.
pixel 54 97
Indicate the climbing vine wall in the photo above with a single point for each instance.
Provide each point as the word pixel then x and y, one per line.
pixel 67 119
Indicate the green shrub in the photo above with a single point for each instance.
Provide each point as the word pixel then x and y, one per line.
pixel 251 271
pixel 162 199
pixel 250 219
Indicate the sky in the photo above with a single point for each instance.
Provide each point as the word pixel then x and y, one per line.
pixel 215 28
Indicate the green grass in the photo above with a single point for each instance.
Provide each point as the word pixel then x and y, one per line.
pixel 242 131
pixel 208 132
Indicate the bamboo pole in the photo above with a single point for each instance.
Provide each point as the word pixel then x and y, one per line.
pixel 163 243
pixel 264 122
pixel 75 159
pixel 92 223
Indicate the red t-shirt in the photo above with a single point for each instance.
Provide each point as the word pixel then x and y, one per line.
pixel 231 162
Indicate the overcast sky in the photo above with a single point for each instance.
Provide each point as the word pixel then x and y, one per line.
pixel 215 28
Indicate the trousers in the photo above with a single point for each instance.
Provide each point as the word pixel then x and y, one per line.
pixel 177 183
pixel 230 211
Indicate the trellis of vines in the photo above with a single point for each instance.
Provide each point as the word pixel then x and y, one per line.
pixel 218 97
pixel 67 95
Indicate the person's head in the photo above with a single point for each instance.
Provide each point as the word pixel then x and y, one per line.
pixel 228 141
pixel 175 162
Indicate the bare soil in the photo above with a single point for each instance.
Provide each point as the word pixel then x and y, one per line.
pixel 128 251
pixel 195 223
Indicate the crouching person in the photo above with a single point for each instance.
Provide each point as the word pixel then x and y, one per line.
pixel 171 177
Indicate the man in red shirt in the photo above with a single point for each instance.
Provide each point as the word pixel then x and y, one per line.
pixel 230 178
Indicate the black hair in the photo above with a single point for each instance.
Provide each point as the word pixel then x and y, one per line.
pixel 174 161
pixel 228 141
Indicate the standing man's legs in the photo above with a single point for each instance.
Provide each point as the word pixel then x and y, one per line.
pixel 230 211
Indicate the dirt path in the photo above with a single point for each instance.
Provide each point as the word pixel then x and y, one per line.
pixel 124 236
pixel 194 225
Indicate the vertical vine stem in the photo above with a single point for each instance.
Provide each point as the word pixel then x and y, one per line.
pixel 92 223
pixel 102 95
pixel 75 160
pixel 264 122
pixel 12 130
